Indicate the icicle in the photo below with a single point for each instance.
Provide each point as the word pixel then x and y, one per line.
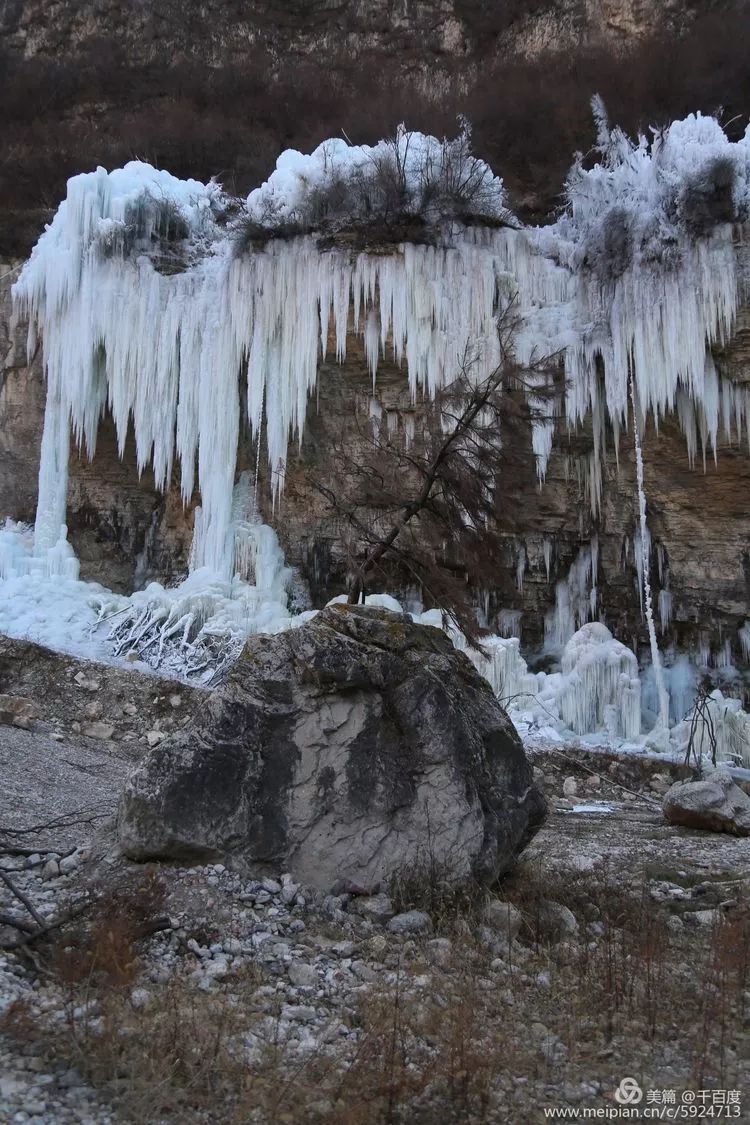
pixel 744 637
pixel 547 551
pixel 663 720
pixel 509 622
pixel 520 566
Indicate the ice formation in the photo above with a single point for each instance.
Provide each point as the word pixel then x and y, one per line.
pixel 603 690
pixel 151 306
pixel 729 725
pixel 645 570
pixel 146 307
pixel 575 598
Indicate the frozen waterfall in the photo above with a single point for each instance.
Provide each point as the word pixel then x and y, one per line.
pixel 151 306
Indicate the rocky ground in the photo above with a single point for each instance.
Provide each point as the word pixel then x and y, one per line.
pixel 619 946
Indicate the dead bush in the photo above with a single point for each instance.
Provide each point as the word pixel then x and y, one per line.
pixel 103 949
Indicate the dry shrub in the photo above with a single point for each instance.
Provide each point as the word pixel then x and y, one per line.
pixel 429 884
pixel 445 1044
pixel 104 947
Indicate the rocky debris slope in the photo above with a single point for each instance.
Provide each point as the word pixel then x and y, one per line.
pixel 356 746
pixel 310 984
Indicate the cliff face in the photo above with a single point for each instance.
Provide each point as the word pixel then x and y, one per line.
pixel 421 32
pixel 125 532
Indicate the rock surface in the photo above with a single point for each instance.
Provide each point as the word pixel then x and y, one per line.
pixel 715 803
pixel 355 747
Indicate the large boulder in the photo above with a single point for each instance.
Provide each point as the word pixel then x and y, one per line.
pixel 354 747
pixel 714 803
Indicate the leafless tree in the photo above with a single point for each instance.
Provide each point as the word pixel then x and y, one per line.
pixel 425 500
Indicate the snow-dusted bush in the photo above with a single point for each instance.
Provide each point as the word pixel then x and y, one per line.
pixel 407 178
pixel 639 202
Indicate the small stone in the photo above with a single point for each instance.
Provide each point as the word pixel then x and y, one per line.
pixel 69 863
pixel 570 787
pixel 439 952
pixel 594 781
pixel 289 893
pixel 271 886
pixel 377 907
pixel 217 968
pixel 99 730
pixel 50 870
pixel 93 710
pixel 411 922
pixel 556 922
pixel 342 948
pixel 503 917
pixel 17 711
pixel 302 975
pixel 364 972
pixel 33 860
pixel 154 737
pixel 88 684
pixel 140 997
pixel 129 709
pixel 704 917
pixel 298 1013
pixel 175 701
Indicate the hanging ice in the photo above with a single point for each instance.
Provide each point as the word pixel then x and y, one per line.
pixel 151 305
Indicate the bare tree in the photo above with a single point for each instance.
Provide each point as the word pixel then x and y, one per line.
pixel 425 499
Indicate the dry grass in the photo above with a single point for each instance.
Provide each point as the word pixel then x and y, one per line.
pixel 472 1041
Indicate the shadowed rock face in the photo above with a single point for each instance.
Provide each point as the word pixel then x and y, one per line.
pixel 354 747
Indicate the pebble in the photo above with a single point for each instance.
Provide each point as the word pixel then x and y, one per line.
pixel 302 975
pixel 103 731
pixel 411 922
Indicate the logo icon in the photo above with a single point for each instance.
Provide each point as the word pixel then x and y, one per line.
pixel 628 1092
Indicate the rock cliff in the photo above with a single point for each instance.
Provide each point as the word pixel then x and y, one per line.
pixel 126 532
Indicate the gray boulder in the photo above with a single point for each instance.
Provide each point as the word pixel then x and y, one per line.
pixel 714 803
pixel 354 747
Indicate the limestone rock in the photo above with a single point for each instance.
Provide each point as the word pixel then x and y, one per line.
pixel 411 922
pixel 378 908
pixel 556 921
pixel 714 803
pixel 570 787
pixel 344 750
pixel 17 711
pixel 503 917
pixel 99 729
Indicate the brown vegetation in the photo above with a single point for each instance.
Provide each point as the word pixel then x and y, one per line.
pixel 471 1039
pixel 65 115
